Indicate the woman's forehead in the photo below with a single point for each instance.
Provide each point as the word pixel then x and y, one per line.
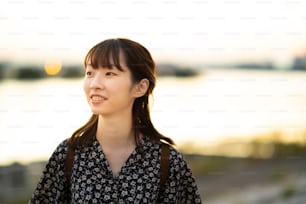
pixel 110 64
pixel 106 60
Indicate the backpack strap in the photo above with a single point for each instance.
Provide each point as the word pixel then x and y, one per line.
pixel 164 166
pixel 69 163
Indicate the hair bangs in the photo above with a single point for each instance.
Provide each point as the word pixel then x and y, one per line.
pixel 104 55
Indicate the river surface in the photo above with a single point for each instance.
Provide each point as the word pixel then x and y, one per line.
pixel 35 116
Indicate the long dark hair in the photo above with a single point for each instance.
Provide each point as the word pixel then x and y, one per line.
pixel 139 61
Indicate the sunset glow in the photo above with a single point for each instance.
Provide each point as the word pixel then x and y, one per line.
pixel 53 67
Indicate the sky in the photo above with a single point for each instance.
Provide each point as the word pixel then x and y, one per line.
pixel 179 31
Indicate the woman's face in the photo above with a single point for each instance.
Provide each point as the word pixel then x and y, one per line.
pixel 109 91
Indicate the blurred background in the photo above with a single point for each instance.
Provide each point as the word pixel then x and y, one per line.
pixel 231 88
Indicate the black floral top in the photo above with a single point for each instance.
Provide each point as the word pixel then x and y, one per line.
pixel 92 180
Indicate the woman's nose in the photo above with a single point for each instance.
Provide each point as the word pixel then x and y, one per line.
pixel 96 82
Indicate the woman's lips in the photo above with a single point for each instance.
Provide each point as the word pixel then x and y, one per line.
pixel 97 99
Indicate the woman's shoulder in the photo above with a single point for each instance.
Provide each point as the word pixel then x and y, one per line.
pixel 176 159
pixel 63 145
pixel 61 150
pixel 155 146
pixel 176 154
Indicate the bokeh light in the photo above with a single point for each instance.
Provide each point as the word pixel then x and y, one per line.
pixel 53 66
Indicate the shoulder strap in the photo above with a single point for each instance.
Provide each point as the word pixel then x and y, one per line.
pixel 164 166
pixel 69 163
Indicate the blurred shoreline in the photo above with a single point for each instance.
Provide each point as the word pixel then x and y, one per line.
pixel 39 71
pixel 24 71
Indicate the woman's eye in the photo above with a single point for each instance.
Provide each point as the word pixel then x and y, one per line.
pixel 88 73
pixel 110 74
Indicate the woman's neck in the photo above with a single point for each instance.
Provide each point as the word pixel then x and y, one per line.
pixel 115 132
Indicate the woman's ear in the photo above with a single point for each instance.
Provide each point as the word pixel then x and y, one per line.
pixel 141 88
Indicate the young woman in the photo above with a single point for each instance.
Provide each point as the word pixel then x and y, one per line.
pixel 117 156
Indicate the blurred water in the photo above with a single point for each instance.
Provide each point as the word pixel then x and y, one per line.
pixel 204 110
